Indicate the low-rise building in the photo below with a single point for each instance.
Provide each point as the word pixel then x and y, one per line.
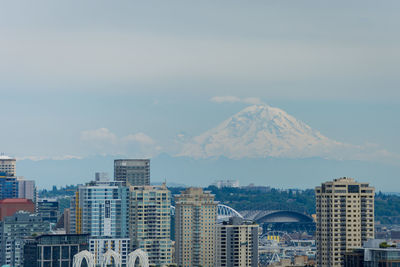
pixel 9 206
pixel 375 253
pixel 13 232
pixel 54 250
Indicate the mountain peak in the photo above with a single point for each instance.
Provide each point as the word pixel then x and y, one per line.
pixel 259 131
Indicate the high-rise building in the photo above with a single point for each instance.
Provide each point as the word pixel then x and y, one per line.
pixel 48 210
pixel 150 222
pixel 101 209
pixel 13 232
pixel 54 250
pixel 26 189
pixel 135 172
pixel 7 166
pixel 8 187
pixel 237 243
pixel 12 186
pixel 345 219
pixel 195 222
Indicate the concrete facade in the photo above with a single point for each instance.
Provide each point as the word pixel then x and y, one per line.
pixel 195 220
pixel 135 172
pixel 237 243
pixel 345 219
pixel 150 222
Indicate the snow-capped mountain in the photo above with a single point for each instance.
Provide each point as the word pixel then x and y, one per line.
pixel 261 131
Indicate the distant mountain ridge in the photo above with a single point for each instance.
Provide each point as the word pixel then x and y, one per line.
pixel 261 131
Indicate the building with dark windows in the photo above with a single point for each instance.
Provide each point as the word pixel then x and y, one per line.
pixel 48 210
pixel 135 172
pixel 375 253
pixel 54 250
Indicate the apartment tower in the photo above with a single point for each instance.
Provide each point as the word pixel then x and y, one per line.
pixel 195 222
pixel 237 243
pixel 150 222
pixel 101 209
pixel 345 219
pixel 135 172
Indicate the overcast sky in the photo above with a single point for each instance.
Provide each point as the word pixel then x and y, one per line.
pixel 139 73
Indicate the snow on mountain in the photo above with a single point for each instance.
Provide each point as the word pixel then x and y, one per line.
pixel 261 131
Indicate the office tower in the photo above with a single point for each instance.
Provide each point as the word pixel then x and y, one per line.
pixel 7 166
pixel 345 218
pixel 8 187
pixel 150 222
pixel 237 243
pixel 53 250
pixel 101 209
pixel 195 220
pixel 9 206
pixel 12 186
pixel 26 189
pixel 134 172
pixel 48 210
pixel 13 232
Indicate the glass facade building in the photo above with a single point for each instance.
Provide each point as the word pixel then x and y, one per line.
pixel 53 250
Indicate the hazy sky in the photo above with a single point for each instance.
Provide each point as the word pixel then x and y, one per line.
pixel 136 74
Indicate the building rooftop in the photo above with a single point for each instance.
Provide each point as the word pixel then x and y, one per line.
pixel 15 200
pixel 2 157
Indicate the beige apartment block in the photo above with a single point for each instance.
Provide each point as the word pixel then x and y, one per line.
pixel 345 218
pixel 150 222
pixel 195 220
pixel 237 243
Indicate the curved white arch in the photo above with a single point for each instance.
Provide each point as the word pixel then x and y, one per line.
pixel 143 258
pixel 114 255
pixel 78 258
pixel 225 212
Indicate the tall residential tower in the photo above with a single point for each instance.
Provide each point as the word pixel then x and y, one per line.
pixel 150 222
pixel 135 172
pixel 195 222
pixel 345 218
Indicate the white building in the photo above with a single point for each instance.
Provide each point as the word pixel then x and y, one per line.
pixel 226 183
